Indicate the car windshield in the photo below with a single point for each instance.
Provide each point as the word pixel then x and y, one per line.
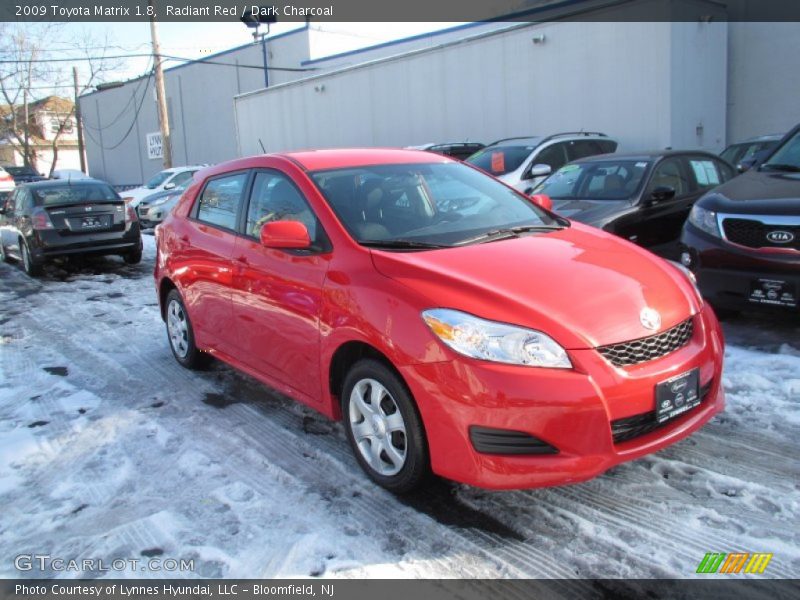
pixel 595 180
pixel 737 153
pixel 443 204
pixel 499 160
pixel 787 157
pixel 158 179
pixel 73 194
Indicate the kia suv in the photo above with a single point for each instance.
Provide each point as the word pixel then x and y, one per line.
pixel 742 239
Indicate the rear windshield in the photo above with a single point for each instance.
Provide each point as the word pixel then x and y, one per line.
pixel 74 194
pixel 499 160
pixel 21 171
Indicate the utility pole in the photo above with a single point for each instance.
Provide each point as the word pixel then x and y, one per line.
pixel 26 138
pixel 161 96
pixel 78 121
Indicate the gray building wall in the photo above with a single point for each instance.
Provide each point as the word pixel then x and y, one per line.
pixel 630 80
pixel 200 103
pixel 764 79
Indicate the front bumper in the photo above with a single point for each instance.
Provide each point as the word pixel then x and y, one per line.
pixel 725 272
pixel 571 410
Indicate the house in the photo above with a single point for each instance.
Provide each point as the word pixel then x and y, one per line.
pixel 52 135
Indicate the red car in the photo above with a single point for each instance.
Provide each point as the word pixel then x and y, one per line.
pixel 453 324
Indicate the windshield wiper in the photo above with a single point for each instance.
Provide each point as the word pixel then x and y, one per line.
pixel 780 167
pixel 505 233
pixel 401 244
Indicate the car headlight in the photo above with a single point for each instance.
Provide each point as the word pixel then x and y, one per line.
pixel 689 275
pixel 703 219
pixel 497 342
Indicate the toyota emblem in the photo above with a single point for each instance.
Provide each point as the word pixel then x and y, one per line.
pixel 650 318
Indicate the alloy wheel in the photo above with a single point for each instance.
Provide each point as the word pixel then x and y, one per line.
pixel 378 427
pixel 178 329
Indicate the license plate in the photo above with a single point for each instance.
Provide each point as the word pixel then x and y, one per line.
pixel 92 222
pixel 773 291
pixel 677 395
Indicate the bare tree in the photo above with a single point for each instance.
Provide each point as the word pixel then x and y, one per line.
pixel 27 74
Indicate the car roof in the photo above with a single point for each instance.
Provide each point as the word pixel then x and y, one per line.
pixel 645 155
pixel 342 158
pixel 62 182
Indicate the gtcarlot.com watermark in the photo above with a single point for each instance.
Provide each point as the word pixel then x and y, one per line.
pixel 48 563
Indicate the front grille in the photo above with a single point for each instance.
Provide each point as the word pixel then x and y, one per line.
pixel 649 348
pixel 505 441
pixel 629 428
pixel 753 234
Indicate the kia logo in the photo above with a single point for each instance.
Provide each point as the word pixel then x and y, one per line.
pixel 780 237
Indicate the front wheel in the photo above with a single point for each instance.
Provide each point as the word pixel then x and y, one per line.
pixel 181 334
pixel 384 428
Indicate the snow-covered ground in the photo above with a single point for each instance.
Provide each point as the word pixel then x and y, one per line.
pixel 109 449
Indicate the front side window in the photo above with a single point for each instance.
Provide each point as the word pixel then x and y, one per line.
pixel 606 180
pixel 554 155
pixel 219 203
pixel 705 172
pixel 275 198
pixel 669 173
pixel 182 179
pixel 443 204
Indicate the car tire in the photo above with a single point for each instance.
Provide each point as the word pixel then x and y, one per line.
pixel 384 428
pixel 181 335
pixel 3 257
pixel 31 267
pixel 134 257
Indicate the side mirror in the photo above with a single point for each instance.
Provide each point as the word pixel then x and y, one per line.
pixel 285 235
pixel 542 200
pixel 540 170
pixel 662 193
pixel 169 186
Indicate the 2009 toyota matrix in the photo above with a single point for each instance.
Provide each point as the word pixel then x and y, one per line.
pixel 453 324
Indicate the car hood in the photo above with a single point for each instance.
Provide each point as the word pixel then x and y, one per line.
pixel 583 287
pixel 591 212
pixel 756 192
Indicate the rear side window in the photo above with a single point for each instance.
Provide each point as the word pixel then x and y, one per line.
pixel 219 203
pixel 577 149
pixel 706 172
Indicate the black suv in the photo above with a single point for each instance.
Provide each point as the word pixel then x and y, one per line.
pixel 61 218
pixel 742 239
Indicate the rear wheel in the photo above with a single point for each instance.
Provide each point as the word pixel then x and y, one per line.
pixel 181 335
pixel 31 268
pixel 383 427
pixel 134 257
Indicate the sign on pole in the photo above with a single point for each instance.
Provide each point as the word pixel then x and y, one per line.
pixel 154 147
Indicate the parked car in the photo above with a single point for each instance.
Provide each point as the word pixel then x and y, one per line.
pixel 164 181
pixel 644 197
pixel 448 320
pixel 23 174
pixel 71 174
pixel 459 150
pixel 7 184
pixel 154 208
pixel 742 239
pixel 524 162
pixel 49 219
pixel 743 155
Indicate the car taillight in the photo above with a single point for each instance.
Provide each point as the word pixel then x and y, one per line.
pixel 130 214
pixel 4 176
pixel 40 219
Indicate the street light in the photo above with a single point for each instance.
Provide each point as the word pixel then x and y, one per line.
pixel 263 16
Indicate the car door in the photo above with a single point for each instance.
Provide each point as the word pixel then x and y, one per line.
pixel 277 293
pixel 661 220
pixel 5 219
pixel 14 223
pixel 202 258
pixel 554 155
